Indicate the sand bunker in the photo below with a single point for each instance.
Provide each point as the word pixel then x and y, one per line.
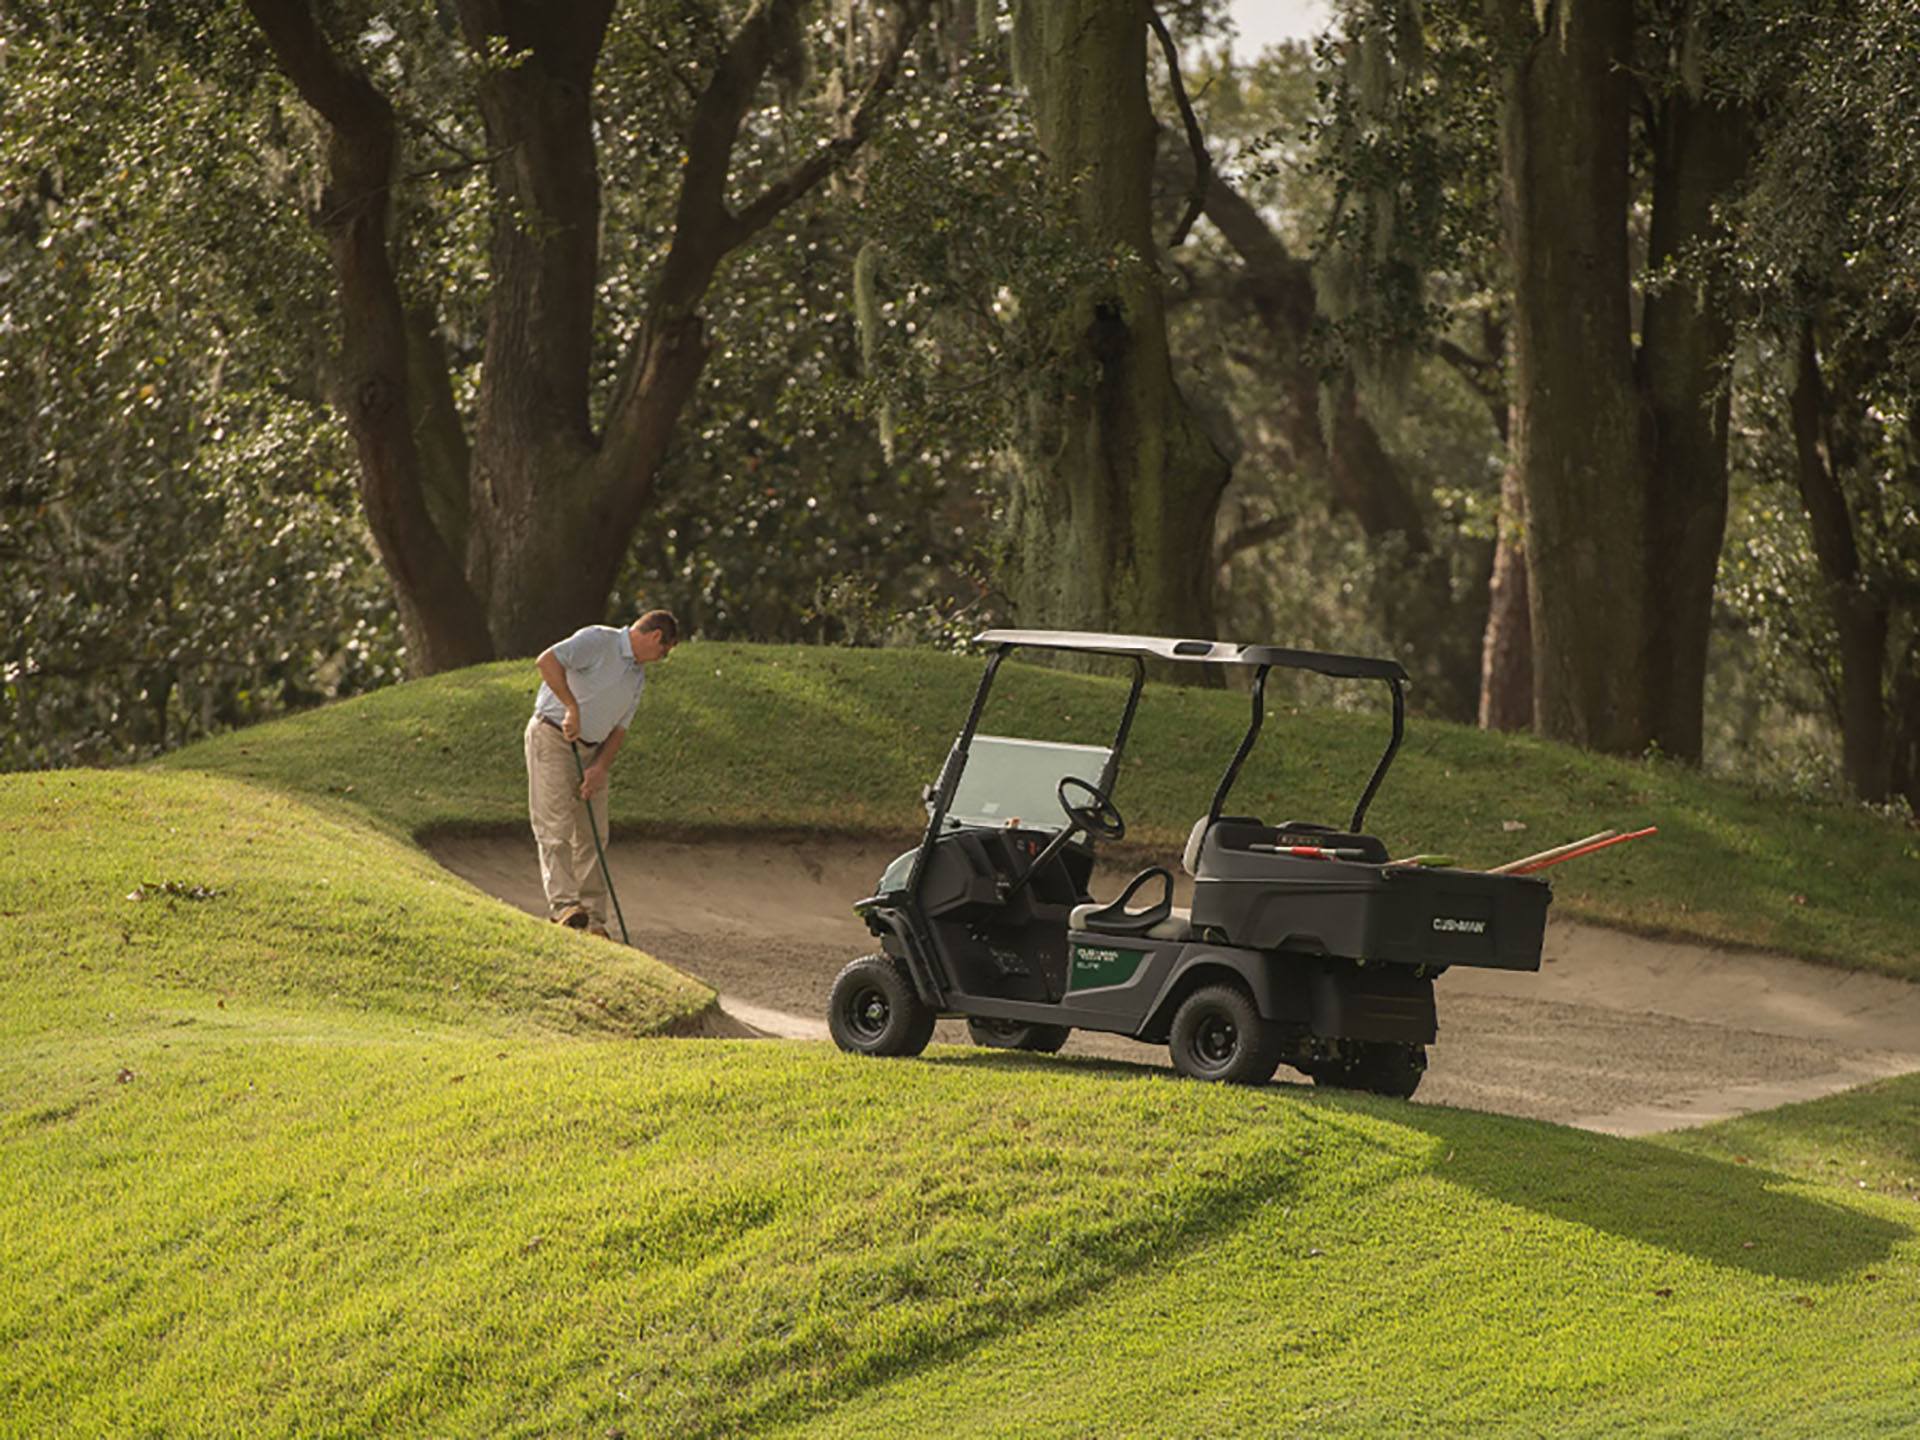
pixel 1616 1033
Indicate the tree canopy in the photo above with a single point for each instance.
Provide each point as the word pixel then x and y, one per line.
pixel 1565 352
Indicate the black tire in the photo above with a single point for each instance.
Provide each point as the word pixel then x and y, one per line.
pixel 873 1010
pixel 1013 1035
pixel 1376 1066
pixel 1218 1034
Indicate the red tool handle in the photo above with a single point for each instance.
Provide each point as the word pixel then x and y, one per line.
pixel 1313 852
pixel 1585 850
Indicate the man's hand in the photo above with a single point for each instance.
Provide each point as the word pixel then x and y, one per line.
pixel 595 781
pixel 570 727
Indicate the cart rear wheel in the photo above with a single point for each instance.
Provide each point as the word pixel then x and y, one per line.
pixel 873 1010
pixel 1376 1066
pixel 1218 1034
pixel 1014 1035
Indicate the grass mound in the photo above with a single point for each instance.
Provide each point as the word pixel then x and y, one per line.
pixel 314 1139
pixel 251 896
pixel 795 737
pixel 375 1232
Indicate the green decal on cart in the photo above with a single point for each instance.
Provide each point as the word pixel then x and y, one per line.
pixel 1097 965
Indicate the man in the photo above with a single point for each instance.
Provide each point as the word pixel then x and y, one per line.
pixel 590 685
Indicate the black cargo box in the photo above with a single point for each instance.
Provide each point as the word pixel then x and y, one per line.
pixel 1363 911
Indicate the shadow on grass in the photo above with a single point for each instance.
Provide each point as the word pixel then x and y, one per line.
pixel 998 1061
pixel 1197 1208
pixel 1743 1217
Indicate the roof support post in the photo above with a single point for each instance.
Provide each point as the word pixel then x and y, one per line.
pixel 1111 771
pixel 1393 746
pixel 1246 745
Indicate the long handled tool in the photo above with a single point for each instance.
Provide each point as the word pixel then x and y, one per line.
pixel 1575 851
pixel 1527 862
pixel 594 825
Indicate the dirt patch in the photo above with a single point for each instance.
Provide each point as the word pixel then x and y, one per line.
pixel 1615 1033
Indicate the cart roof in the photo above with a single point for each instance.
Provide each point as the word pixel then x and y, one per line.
pixel 1203 652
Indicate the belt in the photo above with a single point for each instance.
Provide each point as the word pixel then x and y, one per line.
pixel 549 720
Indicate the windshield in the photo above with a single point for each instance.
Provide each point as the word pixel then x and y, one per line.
pixel 1016 780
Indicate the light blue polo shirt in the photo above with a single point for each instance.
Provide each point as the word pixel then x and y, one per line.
pixel 604 678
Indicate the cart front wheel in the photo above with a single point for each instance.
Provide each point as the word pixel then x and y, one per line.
pixel 873 1010
pixel 1218 1034
pixel 1014 1035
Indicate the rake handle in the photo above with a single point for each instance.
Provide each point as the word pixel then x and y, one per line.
pixel 592 825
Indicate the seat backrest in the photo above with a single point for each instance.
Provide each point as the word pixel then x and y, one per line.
pixel 1196 837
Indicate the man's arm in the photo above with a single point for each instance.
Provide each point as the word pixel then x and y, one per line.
pixel 555 674
pixel 602 764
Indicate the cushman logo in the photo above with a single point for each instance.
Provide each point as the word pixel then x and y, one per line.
pixel 1087 955
pixel 1448 924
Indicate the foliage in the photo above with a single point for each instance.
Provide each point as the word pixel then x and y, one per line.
pixel 181 544
pixel 1295 563
pixel 1826 243
pixel 1405 137
pixel 198 256
pixel 164 333
pixel 974 250
pixel 780 494
pixel 1781 697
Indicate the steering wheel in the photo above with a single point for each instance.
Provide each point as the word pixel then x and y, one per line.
pixel 1102 818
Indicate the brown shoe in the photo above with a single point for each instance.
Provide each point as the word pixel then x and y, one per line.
pixel 574 917
pixel 596 928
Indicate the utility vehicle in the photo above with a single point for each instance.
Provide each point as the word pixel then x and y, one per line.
pixel 1304 943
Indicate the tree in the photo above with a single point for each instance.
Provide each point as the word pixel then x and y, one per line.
pixel 179 548
pixel 1321 399
pixel 779 515
pixel 1825 245
pixel 503 531
pixel 1621 450
pixel 1114 481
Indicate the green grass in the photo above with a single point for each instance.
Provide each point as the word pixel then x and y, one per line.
pixel 744 736
pixel 349 1149
pixel 359 1230
pixel 307 907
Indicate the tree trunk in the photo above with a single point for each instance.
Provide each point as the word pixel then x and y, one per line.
pixel 1116 484
pixel 1904 743
pixel 512 544
pixel 1860 618
pixel 441 618
pixel 531 477
pixel 1577 421
pixel 1506 660
pixel 1700 154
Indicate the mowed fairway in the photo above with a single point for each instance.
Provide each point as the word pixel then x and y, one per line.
pixel 350 1149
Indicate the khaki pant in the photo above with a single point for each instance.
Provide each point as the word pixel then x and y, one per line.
pixel 569 868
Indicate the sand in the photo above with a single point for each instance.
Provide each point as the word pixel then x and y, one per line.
pixel 1616 1033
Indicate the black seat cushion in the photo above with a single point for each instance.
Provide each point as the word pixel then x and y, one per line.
pixel 1117 919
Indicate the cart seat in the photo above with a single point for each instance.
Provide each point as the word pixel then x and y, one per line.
pixel 1158 921
pixel 1177 924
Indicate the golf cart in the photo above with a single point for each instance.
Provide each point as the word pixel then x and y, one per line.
pixel 1304 943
